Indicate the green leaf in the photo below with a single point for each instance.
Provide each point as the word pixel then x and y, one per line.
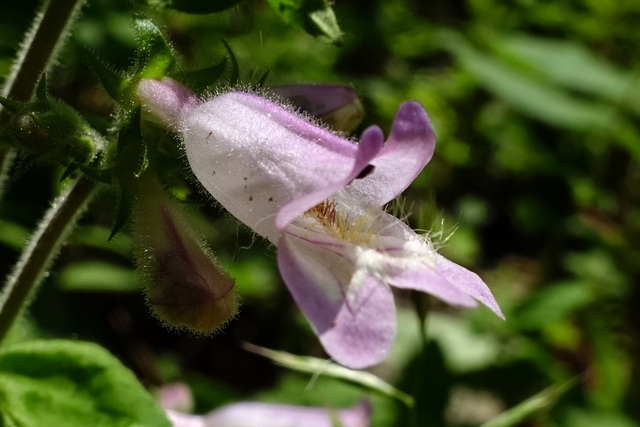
pixel 133 153
pixel 255 277
pixel 13 235
pixel 564 62
pixel 541 100
pixel 98 175
pixel 132 161
pixel 464 350
pixel 125 205
pixel 97 236
pixel 201 80
pixel 111 81
pixel 71 383
pixel 52 130
pixel 12 106
pixel 41 90
pixel 530 407
pixel 315 366
pixel 316 17
pixel 235 70
pixel 155 57
pixel 612 365
pixel 581 417
pixel 73 166
pixel 263 79
pixel 554 303
pixel 97 276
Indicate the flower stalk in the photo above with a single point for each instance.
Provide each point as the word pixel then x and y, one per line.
pixel 41 250
pixel 39 49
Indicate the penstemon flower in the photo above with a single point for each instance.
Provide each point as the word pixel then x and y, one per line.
pixel 320 199
pixel 254 414
pixel 177 401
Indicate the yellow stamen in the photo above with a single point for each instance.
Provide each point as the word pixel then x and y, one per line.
pixel 359 232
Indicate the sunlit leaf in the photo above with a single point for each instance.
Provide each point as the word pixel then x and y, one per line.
pixel 155 57
pixel 532 97
pixel 71 383
pixel 316 17
pixel 542 101
pixel 565 62
pixel 110 80
pixel 200 80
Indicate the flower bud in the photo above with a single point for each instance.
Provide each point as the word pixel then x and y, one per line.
pixel 184 286
pixel 164 100
pixel 54 130
pixel 336 105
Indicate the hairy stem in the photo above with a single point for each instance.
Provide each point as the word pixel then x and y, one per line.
pixel 39 49
pixel 43 247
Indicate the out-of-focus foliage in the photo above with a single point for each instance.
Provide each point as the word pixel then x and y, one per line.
pixel 535 184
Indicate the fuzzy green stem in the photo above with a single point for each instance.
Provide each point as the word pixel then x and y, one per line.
pixel 43 247
pixel 39 49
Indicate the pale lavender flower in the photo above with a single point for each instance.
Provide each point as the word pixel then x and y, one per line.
pixel 255 414
pixel 320 199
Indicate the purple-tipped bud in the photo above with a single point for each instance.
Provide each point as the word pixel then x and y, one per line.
pixel 185 288
pixel 336 105
pixel 163 101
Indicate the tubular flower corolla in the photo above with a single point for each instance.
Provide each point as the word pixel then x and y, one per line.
pixel 320 198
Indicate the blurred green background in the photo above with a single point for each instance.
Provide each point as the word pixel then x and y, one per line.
pixel 536 177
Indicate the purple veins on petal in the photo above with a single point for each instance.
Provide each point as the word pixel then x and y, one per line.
pixel 369 147
pixel 353 316
pixel 339 270
pixel 184 286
